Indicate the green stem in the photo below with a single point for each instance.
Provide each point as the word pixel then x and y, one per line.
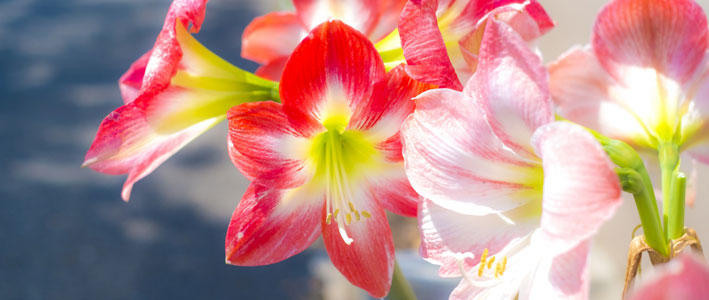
pixel 637 182
pixel 675 227
pixel 400 287
pixel 668 156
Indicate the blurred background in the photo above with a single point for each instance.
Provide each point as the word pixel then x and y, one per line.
pixel 66 234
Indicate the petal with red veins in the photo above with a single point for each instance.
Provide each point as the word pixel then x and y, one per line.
pixel 271 37
pixel 262 145
pixel 424 48
pixel 390 104
pixel 329 74
pixel 562 276
pixel 270 225
pixel 582 90
pixel 512 84
pixel 454 240
pixel 581 188
pixel 131 80
pixel 453 157
pixel 368 260
pixel 684 277
pixel 669 36
pixel 394 192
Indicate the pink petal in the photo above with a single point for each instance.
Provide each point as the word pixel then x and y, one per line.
pixel 263 146
pixel 368 261
pixel 684 277
pixel 562 276
pixel 270 225
pixel 334 66
pixel 131 80
pixel 513 87
pixel 581 188
pixel 453 157
pixel 127 143
pixel 582 89
pixel 425 51
pixel 452 240
pixel 669 36
pixel 389 105
pixel 272 37
pixel 389 12
pixel 394 192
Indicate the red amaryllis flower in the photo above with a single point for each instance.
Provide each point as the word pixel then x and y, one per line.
pixel 172 94
pixel 271 38
pixel 328 160
pixel 441 39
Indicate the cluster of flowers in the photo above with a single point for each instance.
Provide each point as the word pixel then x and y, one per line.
pixel 440 110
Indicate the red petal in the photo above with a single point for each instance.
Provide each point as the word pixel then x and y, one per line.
pixel 272 37
pixel 272 70
pixel 127 143
pixel 333 64
pixel 395 194
pixel 270 225
pixel 259 138
pixel 389 105
pixel 362 15
pixel 132 79
pixel 669 36
pixel 368 262
pixel 423 45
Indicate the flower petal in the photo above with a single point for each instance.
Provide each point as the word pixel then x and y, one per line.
pixel 513 87
pixel 270 225
pixel 131 80
pixel 368 261
pixel 581 188
pixel 272 36
pixel 684 277
pixel 362 15
pixel 454 240
pixel 582 89
pixel 263 146
pixel 329 74
pixel 562 276
pixel 273 70
pixel 425 51
pixel 669 36
pixel 127 143
pixel 394 192
pixel 453 157
pixel 390 104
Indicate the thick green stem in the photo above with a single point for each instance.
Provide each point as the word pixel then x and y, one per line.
pixel 400 287
pixel 675 228
pixel 668 155
pixel 636 182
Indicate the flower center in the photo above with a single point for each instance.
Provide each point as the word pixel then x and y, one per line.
pixel 340 158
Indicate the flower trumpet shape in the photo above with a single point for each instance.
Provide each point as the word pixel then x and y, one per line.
pixel 684 277
pixel 644 78
pixel 172 94
pixel 271 38
pixel 441 39
pixel 327 160
pixel 512 198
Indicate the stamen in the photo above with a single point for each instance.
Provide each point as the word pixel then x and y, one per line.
pixel 352 208
pixel 498 267
pixel 328 220
pixel 348 218
pixel 489 263
pixel 504 265
pixel 484 256
pixel 337 211
pixel 481 269
pixel 356 215
pixel 366 214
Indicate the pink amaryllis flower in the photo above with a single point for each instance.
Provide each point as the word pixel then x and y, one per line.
pixel 271 38
pixel 441 38
pixel 644 79
pixel 512 197
pixel 172 94
pixel 684 277
pixel 326 161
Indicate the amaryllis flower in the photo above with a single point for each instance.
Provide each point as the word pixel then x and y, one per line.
pixel 172 94
pixel 271 38
pixel 326 161
pixel 684 277
pixel 513 197
pixel 441 39
pixel 645 77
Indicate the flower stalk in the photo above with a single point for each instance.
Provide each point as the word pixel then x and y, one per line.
pixel 400 287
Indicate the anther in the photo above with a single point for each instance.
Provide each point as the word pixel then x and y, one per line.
pixel 366 214
pixel 504 265
pixel 356 215
pixel 481 269
pixel 351 206
pixel 483 257
pixel 489 262
pixel 348 218
pixel 328 220
pixel 337 211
